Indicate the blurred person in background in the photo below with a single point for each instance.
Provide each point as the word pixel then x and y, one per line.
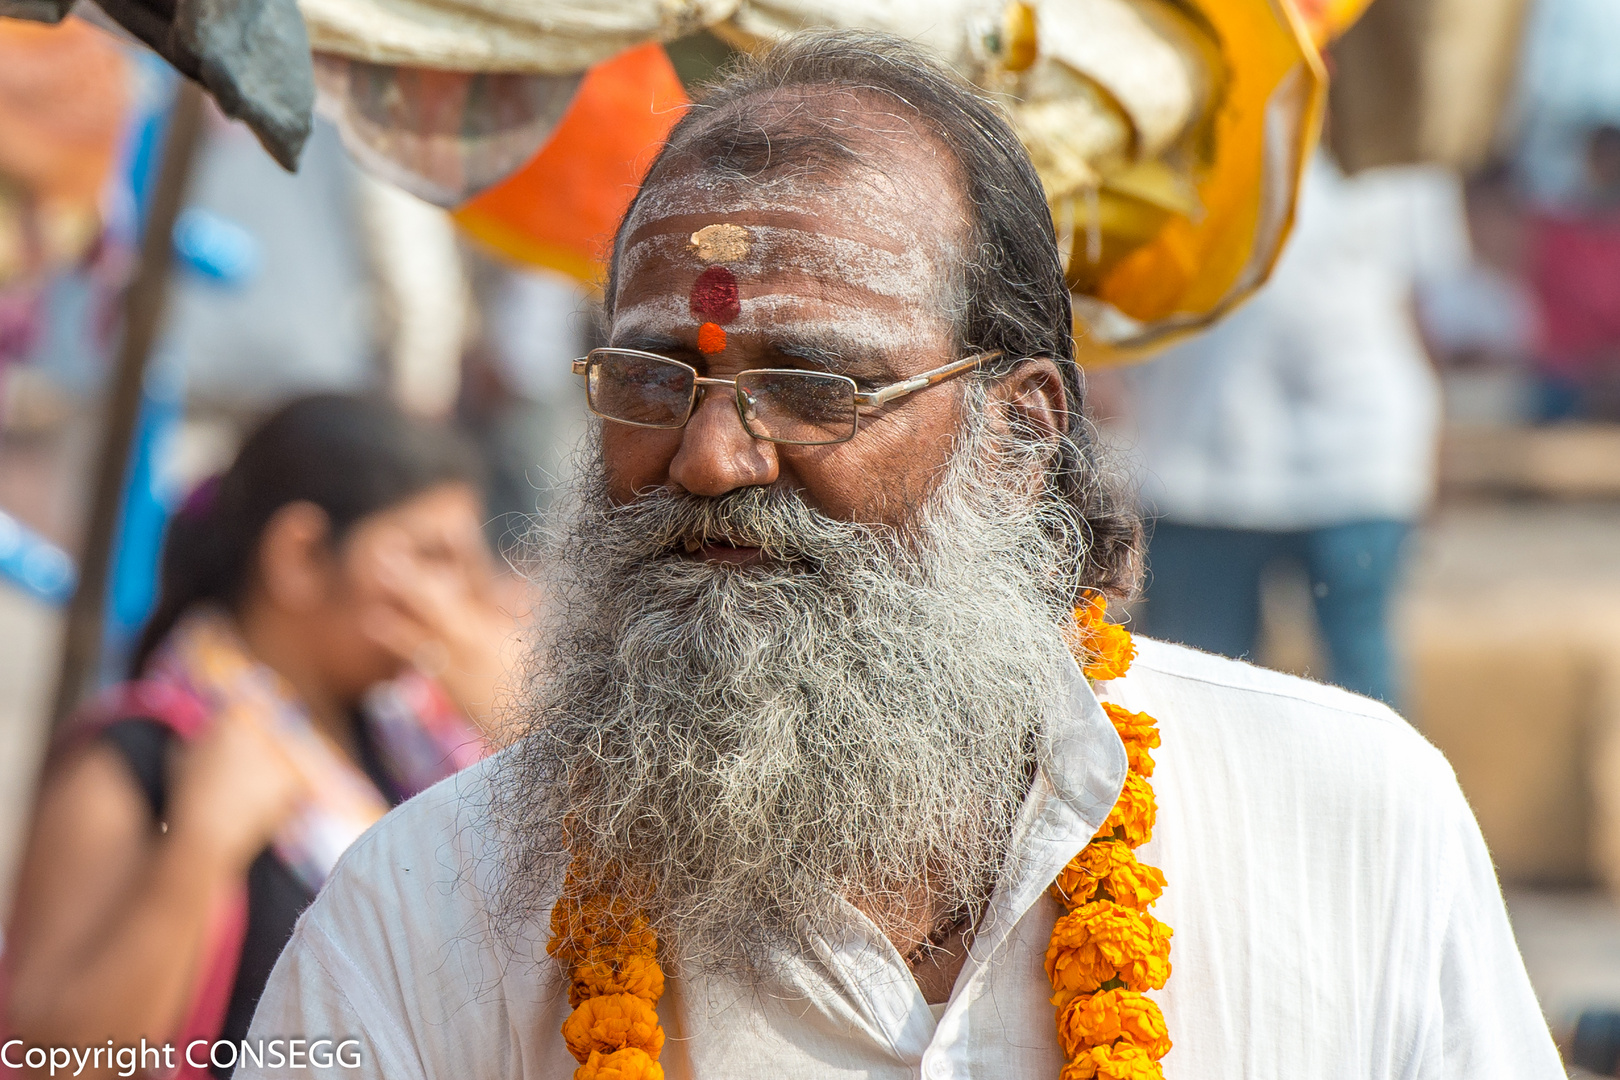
pixel 1575 272
pixel 1302 428
pixel 277 708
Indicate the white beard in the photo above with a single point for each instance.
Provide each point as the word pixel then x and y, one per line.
pixel 739 749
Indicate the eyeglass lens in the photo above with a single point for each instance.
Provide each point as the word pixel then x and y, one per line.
pixel 807 407
pixel 639 389
pixel 798 406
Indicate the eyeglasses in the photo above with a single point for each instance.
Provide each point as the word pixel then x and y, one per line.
pixel 779 405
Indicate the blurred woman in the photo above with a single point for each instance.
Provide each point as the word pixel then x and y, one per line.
pixel 278 708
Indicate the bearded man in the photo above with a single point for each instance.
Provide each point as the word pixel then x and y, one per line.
pixel 809 745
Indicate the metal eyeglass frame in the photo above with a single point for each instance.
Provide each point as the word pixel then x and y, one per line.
pixel 862 399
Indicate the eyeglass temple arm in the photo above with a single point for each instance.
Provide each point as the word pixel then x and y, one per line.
pixel 927 378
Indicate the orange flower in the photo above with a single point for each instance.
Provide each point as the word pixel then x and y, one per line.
pixel 605 972
pixel 1140 732
pixel 1121 1062
pixel 1109 649
pixel 1133 815
pixel 1090 614
pixel 1108 870
pixel 1102 1019
pixel 1103 941
pixel 612 1022
pixel 626 1064
pixel 579 927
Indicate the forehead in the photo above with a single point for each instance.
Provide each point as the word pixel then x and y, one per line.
pixel 885 234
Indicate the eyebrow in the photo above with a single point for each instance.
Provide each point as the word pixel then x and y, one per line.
pixel 650 341
pixel 835 353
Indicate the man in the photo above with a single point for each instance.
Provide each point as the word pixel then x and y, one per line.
pixel 808 711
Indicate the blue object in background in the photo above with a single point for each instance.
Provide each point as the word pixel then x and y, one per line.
pixel 34 564
pixel 215 247
pixel 149 500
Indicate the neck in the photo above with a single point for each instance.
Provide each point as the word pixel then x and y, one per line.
pixel 276 642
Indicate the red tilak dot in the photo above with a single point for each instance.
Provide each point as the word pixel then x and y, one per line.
pixel 714 295
pixel 711 338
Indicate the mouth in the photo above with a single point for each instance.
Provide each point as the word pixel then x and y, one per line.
pixel 721 549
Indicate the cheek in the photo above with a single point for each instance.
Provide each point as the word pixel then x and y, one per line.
pixel 636 459
pixel 888 469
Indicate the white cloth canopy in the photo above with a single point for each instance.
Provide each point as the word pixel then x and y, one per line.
pixel 541 37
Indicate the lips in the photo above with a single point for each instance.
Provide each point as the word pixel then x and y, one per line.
pixel 720 549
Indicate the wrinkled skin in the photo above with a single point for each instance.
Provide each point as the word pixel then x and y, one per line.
pixel 849 272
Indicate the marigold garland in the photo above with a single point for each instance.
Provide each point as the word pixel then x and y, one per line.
pixel 1105 951
pixel 615 982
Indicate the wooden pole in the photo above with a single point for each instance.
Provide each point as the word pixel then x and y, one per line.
pixel 144 305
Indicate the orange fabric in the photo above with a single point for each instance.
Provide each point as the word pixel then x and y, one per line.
pixel 63 93
pixel 559 210
pixel 1192 265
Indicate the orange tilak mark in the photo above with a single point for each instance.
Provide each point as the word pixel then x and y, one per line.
pixel 711 338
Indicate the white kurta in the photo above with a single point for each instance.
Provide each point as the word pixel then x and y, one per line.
pixel 1334 907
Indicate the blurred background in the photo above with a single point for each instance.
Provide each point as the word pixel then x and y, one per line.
pixel 1396 468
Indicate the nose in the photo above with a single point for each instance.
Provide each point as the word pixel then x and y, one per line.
pixel 717 454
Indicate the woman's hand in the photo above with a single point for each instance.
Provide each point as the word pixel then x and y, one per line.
pixel 233 788
pixel 441 607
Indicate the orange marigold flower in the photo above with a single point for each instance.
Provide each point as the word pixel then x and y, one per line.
pixel 1105 1018
pixel 581 927
pixel 1140 733
pixel 604 972
pixel 1110 650
pixel 1103 941
pixel 1133 815
pixel 610 1023
pixel 1108 870
pixel 626 1064
pixel 1090 614
pixel 1122 1062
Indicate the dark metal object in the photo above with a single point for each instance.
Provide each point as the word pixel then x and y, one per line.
pixel 144 305
pixel 251 55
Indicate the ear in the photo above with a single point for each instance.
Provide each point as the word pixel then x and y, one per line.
pixel 1035 397
pixel 294 563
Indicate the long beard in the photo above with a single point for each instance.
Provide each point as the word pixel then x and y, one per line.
pixel 739 750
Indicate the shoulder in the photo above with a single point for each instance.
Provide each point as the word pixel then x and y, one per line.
pixel 1219 676
pixel 421 876
pixel 1276 720
pixel 402 942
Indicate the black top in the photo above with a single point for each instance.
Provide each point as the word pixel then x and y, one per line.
pixel 275 895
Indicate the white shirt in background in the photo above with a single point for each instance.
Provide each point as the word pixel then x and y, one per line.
pixel 1315 403
pixel 1335 914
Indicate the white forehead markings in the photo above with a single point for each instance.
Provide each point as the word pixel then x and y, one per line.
pixel 913 275
pixel 887 332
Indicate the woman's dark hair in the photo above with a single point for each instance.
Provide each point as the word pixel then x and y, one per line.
pixel 1015 300
pixel 350 456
